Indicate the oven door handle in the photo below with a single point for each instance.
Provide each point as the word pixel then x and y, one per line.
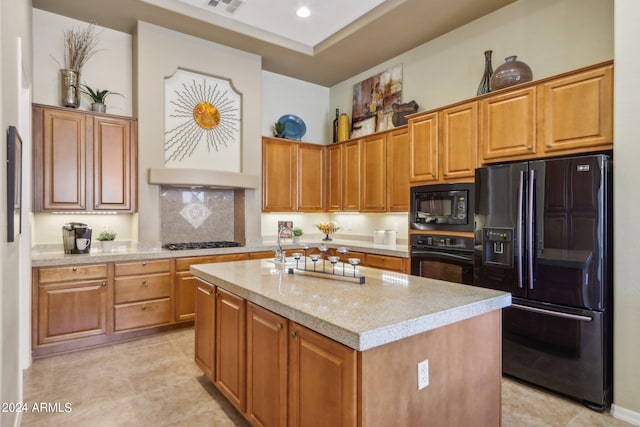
pixel 443 255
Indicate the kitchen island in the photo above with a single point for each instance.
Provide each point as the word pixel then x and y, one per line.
pixel 292 349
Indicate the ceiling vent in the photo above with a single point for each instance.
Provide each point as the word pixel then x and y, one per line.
pixel 226 6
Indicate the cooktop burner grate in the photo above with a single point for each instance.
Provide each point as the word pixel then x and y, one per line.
pixel 200 245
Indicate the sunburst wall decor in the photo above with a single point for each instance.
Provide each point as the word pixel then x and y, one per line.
pixel 202 122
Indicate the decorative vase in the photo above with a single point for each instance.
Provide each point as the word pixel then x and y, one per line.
pixel 512 72
pixel 99 107
pixel 296 240
pixel 70 94
pixel 343 127
pixel 485 83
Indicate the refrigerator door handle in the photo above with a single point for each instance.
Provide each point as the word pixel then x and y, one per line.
pixel 530 219
pixel 519 230
pixel 553 313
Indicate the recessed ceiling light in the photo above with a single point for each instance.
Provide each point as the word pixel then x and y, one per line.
pixel 303 12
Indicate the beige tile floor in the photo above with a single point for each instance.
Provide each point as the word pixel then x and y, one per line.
pixel 154 382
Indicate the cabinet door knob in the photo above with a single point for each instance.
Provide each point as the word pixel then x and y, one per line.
pixel 217 295
pixel 209 291
pixel 549 145
pixel 529 147
pixel 104 283
pixel 144 263
pixel 433 174
pixel 144 307
pixel 294 334
pixel 144 282
pixel 278 326
pixel 445 174
pixel 74 269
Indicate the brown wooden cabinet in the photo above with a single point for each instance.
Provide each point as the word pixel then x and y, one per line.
pixel 423 148
pixel 351 167
pixel 83 161
pixel 71 303
pixel 142 294
pixel 322 380
pixel 267 367
pixel 458 142
pixel 575 112
pixel 310 182
pixel 335 175
pixel 373 184
pixel 398 170
pixel 205 306
pixel 185 283
pixel 230 354
pixel 292 176
pixel 386 262
pixel 508 125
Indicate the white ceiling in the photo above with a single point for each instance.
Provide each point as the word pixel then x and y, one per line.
pixel 341 39
pixel 278 17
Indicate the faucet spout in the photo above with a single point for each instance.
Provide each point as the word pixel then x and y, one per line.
pixel 280 254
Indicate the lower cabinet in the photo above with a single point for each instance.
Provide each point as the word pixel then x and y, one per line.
pixel 230 355
pixel 185 283
pixel 267 364
pixel 276 372
pixel 71 303
pixel 142 295
pixel 205 306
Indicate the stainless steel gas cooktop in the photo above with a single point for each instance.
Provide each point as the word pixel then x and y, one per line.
pixel 200 245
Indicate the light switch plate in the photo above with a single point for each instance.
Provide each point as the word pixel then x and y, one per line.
pixel 423 374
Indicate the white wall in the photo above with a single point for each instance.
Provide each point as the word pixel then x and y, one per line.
pixel 15 264
pixel 626 392
pixel 551 36
pixel 284 95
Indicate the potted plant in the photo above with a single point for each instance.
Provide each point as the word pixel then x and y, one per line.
pixel 297 233
pixel 98 97
pixel 278 129
pixel 106 238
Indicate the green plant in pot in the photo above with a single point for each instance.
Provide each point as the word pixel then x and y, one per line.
pixel 297 233
pixel 106 238
pixel 98 97
pixel 278 129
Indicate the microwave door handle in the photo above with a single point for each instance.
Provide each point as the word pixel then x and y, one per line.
pixel 519 229
pixel 530 222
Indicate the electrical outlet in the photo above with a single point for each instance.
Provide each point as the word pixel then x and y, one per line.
pixel 395 226
pixel 349 225
pixel 423 374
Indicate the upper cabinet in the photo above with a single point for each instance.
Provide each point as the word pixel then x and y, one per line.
pixel 373 185
pixel 83 161
pixel 443 144
pixel 398 170
pixel 567 114
pixel 576 112
pixel 292 176
pixel 508 125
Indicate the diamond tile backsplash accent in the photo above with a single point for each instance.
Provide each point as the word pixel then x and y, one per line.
pixel 200 215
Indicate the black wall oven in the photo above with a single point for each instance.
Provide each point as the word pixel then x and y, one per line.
pixel 442 207
pixel 442 257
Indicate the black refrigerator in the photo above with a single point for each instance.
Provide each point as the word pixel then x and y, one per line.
pixel 543 232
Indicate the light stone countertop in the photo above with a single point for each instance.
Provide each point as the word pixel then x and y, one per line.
pixel 53 255
pixel 388 307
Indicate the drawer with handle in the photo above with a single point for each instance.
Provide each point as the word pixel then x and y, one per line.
pixel 138 288
pixel 385 262
pixel 71 273
pixel 140 314
pixel 142 267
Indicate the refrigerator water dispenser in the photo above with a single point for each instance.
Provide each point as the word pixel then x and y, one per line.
pixel 498 247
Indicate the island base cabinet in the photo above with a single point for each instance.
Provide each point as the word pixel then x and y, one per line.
pixel 205 306
pixel 322 381
pixel 230 355
pixel 267 364
pixel 464 369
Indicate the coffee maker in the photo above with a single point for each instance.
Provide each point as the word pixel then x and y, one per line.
pixel 76 238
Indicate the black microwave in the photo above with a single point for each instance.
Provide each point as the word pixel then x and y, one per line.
pixel 445 207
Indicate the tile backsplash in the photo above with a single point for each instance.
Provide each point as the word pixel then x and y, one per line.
pixel 202 214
